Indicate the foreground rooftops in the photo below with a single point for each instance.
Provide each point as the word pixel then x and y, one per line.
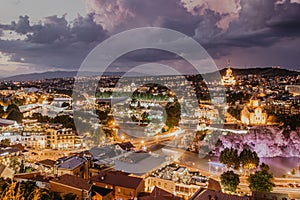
pixel 159 194
pixel 139 163
pixel 117 178
pixel 47 163
pixel 73 181
pixel 211 194
pixel 71 162
pixel 33 176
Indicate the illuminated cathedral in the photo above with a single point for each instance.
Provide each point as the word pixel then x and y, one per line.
pixel 228 79
pixel 254 113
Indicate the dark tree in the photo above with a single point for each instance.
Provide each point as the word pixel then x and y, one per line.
pixel 173 111
pixel 249 159
pixel 5 142
pixel 230 158
pixel 11 107
pixel 22 167
pixel 14 113
pixel 261 181
pixel 230 181
pixel 1 111
pixel 70 196
pixel 27 188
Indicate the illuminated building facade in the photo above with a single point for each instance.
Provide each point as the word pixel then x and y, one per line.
pixel 228 79
pixel 254 113
pixel 61 139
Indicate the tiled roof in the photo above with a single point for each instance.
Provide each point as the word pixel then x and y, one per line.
pixel 209 194
pixel 17 146
pixel 126 145
pixel 139 163
pixel 71 162
pixel 73 181
pixel 117 178
pixel 159 194
pixel 214 185
pixel 33 176
pixel 9 150
pixel 47 162
pixel 104 152
pixel 269 196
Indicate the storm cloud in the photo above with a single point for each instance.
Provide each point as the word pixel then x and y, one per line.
pixel 252 30
pixel 54 43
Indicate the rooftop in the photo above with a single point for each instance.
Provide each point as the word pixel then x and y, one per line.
pixel 47 162
pixel 211 194
pixel 33 176
pixel 159 194
pixel 73 181
pixel 104 152
pixel 140 162
pixel 117 178
pixel 179 174
pixel 71 162
pixel 126 145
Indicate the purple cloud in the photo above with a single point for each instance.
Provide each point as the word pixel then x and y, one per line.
pixel 260 25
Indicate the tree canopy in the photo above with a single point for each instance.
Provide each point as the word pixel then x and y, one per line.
pixel 14 113
pixel 173 111
pixel 12 190
pixel 230 158
pixel 249 159
pixel 262 180
pixel 230 181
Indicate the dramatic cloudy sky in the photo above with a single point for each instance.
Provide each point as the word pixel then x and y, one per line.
pixel 37 36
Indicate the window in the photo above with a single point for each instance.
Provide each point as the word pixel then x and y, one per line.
pixel 186 190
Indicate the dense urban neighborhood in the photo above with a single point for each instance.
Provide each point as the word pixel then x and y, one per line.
pixel 146 141
pixel 150 100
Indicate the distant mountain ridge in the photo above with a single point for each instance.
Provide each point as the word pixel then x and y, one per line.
pixel 53 75
pixel 268 71
pixel 68 74
pixel 40 76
